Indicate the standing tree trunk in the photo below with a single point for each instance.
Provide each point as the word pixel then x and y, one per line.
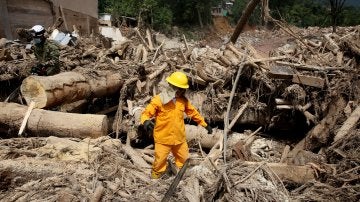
pixel 243 19
pixel 199 17
pixel 336 9
pixel 265 12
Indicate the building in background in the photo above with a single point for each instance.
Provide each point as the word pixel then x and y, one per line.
pixel 26 13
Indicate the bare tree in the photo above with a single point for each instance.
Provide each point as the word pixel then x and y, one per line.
pixel 336 9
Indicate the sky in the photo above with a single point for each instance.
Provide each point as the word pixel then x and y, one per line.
pixel 353 3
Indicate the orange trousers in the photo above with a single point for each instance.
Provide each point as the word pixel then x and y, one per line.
pixel 180 152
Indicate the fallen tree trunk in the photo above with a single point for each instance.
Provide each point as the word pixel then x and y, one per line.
pixel 67 87
pixel 319 135
pixel 51 123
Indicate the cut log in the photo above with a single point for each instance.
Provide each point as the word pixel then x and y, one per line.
pixel 46 123
pixel 67 87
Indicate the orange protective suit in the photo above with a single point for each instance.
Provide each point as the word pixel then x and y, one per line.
pixel 169 130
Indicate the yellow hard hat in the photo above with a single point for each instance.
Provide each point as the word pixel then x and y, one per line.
pixel 178 79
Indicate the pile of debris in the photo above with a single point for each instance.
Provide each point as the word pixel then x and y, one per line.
pixel 308 88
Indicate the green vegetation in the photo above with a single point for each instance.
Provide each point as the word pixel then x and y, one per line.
pixel 304 13
pixel 163 14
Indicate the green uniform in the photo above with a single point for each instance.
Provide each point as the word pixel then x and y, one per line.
pixel 48 58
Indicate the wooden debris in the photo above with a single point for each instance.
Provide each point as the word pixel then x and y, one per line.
pixel 290 173
pixel 27 115
pixel 148 37
pixel 158 71
pixel 196 79
pixel 281 72
pixel 284 154
pixel 242 148
pixel 309 67
pixel 185 42
pixel 99 191
pixel 309 80
pixel 319 135
pixel 142 39
pixel 45 123
pixel 348 125
pixel 157 50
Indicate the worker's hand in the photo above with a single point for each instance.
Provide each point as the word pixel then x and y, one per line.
pixel 149 126
pixel 209 129
pixel 39 70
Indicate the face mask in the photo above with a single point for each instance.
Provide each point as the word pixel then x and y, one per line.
pixel 37 41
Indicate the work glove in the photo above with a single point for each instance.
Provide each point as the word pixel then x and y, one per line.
pixel 149 126
pixel 38 69
pixel 209 129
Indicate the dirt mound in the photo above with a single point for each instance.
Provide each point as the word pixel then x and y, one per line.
pixel 222 25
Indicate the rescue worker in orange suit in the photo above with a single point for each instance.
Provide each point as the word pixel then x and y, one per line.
pixel 167 108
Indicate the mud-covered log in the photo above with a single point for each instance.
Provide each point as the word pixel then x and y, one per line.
pixel 290 173
pixel 50 123
pixel 67 87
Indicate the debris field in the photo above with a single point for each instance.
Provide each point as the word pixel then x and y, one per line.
pixel 284 105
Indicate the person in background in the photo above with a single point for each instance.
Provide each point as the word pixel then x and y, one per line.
pixel 167 109
pixel 46 53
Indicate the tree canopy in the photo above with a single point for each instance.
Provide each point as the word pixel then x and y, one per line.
pixel 162 14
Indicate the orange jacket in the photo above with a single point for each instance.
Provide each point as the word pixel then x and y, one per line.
pixel 169 119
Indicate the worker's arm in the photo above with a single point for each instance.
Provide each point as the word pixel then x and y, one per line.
pixel 150 109
pixel 194 114
pixel 53 54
